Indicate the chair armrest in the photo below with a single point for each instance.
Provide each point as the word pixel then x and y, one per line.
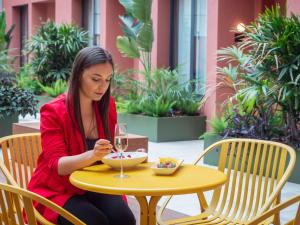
pixel 276 210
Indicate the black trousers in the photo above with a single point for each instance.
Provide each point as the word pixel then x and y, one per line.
pixel 98 209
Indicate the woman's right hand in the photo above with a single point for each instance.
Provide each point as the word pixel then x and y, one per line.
pixel 102 147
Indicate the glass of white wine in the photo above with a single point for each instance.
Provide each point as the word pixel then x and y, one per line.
pixel 121 144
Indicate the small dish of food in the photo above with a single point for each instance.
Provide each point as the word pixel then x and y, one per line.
pixel 166 166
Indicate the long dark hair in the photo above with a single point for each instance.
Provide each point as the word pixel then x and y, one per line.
pixel 86 58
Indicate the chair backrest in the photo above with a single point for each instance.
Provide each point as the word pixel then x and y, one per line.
pixel 256 172
pixel 20 153
pixel 277 209
pixel 15 201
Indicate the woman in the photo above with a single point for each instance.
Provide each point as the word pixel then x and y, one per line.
pixel 76 131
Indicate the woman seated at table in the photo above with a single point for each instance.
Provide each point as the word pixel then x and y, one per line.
pixel 76 130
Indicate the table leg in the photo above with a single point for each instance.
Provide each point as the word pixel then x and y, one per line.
pixel 144 211
pixel 152 209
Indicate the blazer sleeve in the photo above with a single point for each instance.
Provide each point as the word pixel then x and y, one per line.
pixel 52 134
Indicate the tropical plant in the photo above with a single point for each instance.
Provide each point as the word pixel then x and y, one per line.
pixel 14 100
pixel 5 36
pixel 54 48
pixel 138 32
pixel 57 88
pixel 264 72
pixel 161 94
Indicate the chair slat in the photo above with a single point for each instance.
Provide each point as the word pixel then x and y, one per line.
pixel 234 179
pixel 4 214
pixel 247 178
pixel 19 209
pixel 17 151
pixel 274 169
pixel 260 179
pixel 241 175
pixel 10 208
pixel 24 165
pixel 12 159
pixel 267 174
pixel 30 140
pixel 4 146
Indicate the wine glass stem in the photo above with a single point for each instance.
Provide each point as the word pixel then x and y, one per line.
pixel 121 174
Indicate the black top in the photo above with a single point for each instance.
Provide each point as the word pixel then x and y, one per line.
pixel 90 143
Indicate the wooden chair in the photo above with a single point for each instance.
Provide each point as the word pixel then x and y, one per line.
pixel 243 197
pixel 265 216
pixel 20 153
pixel 12 200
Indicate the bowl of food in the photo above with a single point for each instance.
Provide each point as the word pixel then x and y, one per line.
pixel 129 159
pixel 166 166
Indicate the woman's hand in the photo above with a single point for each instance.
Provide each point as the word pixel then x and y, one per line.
pixel 102 147
pixel 68 164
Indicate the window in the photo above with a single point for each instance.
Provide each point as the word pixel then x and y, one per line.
pixel 188 41
pixel 91 20
pixel 23 33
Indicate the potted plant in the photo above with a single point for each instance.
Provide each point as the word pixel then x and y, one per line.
pixel 51 68
pixel 157 104
pixel 264 75
pixel 14 101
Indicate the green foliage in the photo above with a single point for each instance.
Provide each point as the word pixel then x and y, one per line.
pixel 264 72
pixel 218 125
pixel 57 88
pixel 160 94
pixel 14 100
pixel 138 32
pixel 26 80
pixel 54 48
pixel 5 36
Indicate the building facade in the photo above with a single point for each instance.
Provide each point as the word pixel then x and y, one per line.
pixel 187 33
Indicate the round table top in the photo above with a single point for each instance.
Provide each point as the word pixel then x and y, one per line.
pixel 143 182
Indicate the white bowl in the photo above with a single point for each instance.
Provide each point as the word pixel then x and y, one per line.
pixel 166 171
pixel 130 160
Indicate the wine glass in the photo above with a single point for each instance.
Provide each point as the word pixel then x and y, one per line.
pixel 121 144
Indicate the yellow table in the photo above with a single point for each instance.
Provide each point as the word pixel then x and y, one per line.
pixel 142 182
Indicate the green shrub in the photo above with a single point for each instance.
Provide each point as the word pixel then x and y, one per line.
pixel 264 72
pixel 26 80
pixel 54 48
pixel 14 100
pixel 57 88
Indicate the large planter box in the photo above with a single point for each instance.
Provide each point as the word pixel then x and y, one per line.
pixel 6 124
pixel 212 157
pixel 159 129
pixel 43 99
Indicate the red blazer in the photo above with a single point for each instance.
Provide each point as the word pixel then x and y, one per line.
pixel 60 138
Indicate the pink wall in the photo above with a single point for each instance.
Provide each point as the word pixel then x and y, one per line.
pixel 110 29
pixel 211 62
pixel 161 29
pixel 293 6
pixel 223 17
pixel 63 11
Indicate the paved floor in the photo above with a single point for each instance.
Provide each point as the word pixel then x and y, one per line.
pixel 189 150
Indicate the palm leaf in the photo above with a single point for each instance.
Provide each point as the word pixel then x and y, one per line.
pixel 128 47
pixel 145 37
pixel 130 27
pixel 142 10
